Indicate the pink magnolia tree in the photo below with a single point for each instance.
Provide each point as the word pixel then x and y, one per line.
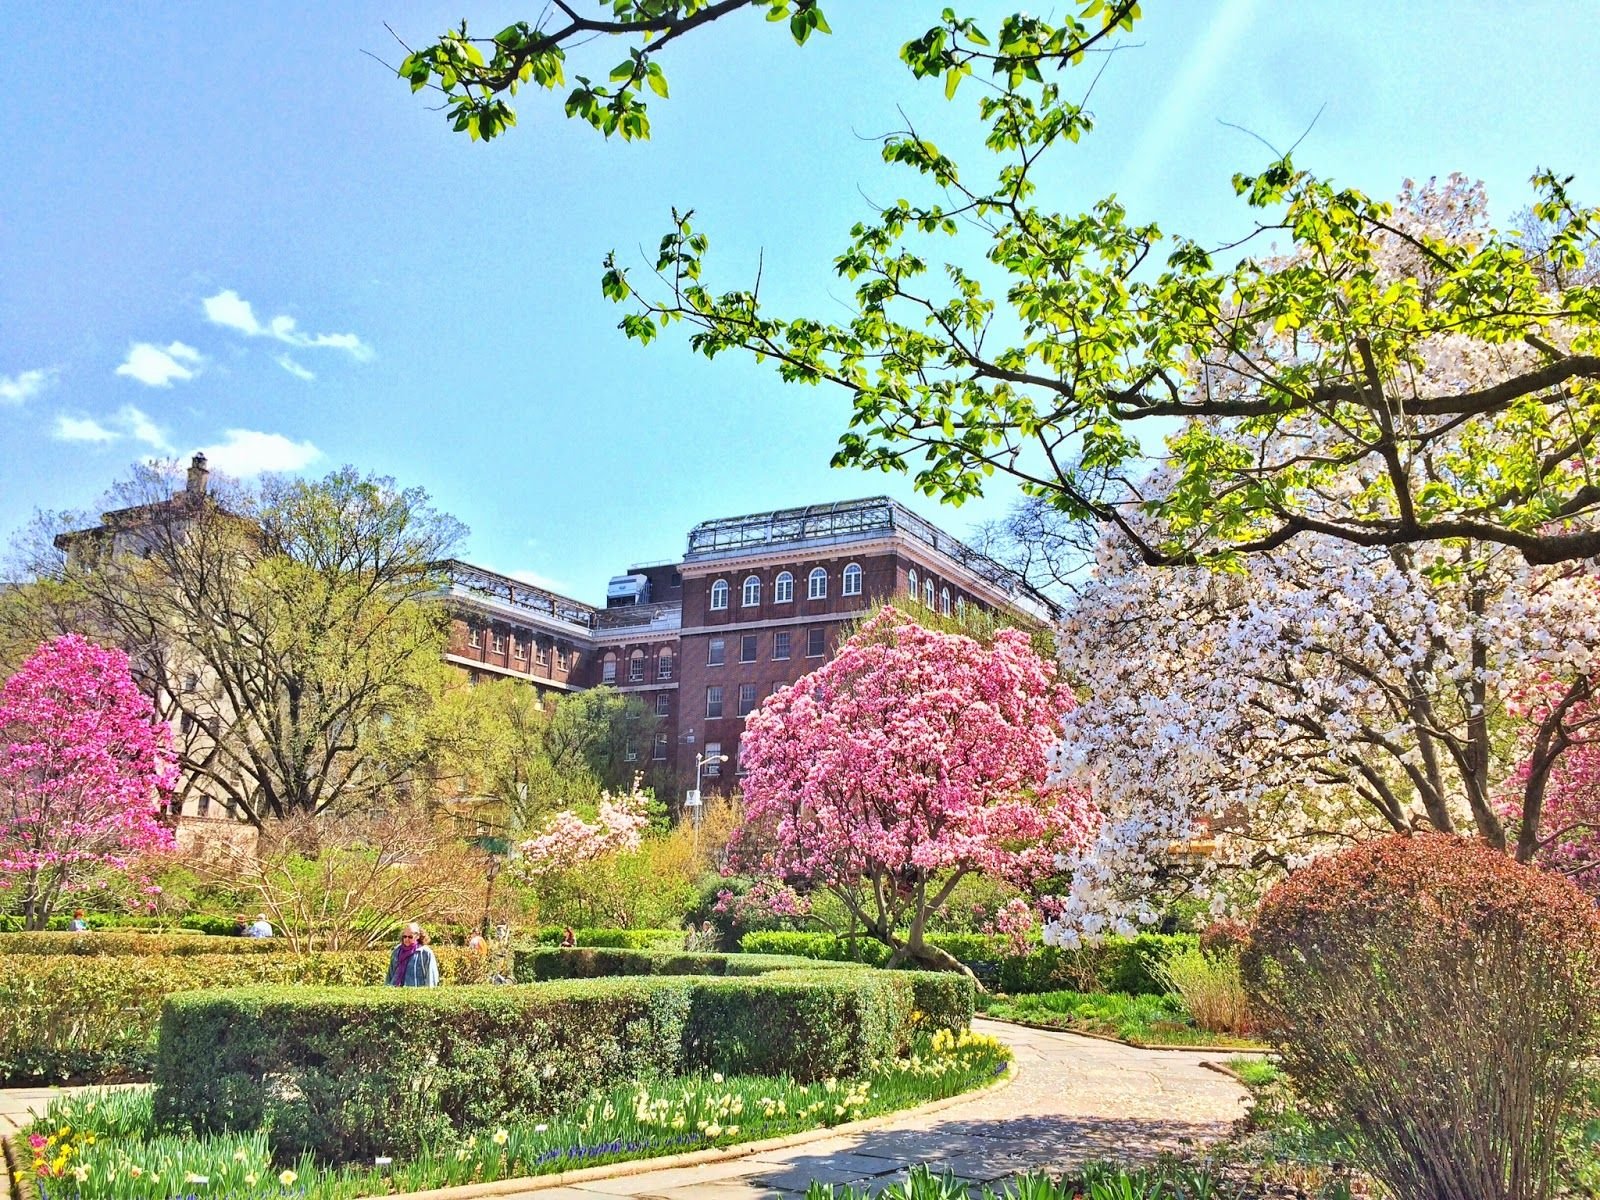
pixel 567 840
pixel 910 761
pixel 1558 774
pixel 85 769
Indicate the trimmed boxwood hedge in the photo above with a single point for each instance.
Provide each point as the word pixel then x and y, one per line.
pixel 128 942
pixel 69 1017
pixel 940 999
pixel 1113 964
pixel 351 1073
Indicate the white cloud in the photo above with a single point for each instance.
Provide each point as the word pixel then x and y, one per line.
pixel 295 369
pixel 233 311
pixel 246 452
pixel 127 422
pixel 18 389
pixel 155 366
pixel 83 429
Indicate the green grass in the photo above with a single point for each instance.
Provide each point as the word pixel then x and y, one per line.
pixel 1143 1020
pixel 104 1146
pixel 1255 1073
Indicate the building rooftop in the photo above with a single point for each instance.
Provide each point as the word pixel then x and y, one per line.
pixel 843 522
pixel 463 577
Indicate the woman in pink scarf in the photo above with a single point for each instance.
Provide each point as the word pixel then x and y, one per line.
pixel 412 964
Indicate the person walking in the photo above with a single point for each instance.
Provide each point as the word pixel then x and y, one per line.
pixel 412 964
pixel 568 938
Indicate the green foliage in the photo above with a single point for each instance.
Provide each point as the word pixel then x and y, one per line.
pixel 115 941
pixel 1210 987
pixel 615 939
pixel 1114 964
pixel 71 1016
pixel 349 1073
pixel 534 966
pixel 1141 1020
pixel 640 1119
pixel 476 74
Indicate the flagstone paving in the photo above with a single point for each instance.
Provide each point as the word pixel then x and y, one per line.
pixel 1074 1100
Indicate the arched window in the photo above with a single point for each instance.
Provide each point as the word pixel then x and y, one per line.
pixel 719 594
pixel 783 588
pixel 636 667
pixel 944 601
pixel 817 584
pixel 851 585
pixel 664 667
pixel 961 606
pixel 608 669
pixel 751 594
pixel 927 592
pixel 911 583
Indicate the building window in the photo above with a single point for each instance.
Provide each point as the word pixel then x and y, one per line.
pixel 474 638
pixel 629 754
pixel 783 588
pixel 563 658
pixel 636 667
pixel 851 584
pixel 750 594
pixel 778 687
pixel 780 644
pixel 541 654
pixel 747 648
pixel 608 670
pixel 944 601
pixel 817 585
pixel 719 595
pixel 747 699
pixel 927 591
pixel 664 668
pixel 713 702
pixel 519 648
pixel 716 650
pixel 663 703
pixel 658 752
pixel 816 645
pixel 911 584
pixel 499 643
pixel 713 751
pixel 961 606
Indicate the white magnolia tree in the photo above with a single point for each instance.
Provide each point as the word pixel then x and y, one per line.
pixel 1321 694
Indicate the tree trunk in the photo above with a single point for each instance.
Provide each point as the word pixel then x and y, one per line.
pixel 929 958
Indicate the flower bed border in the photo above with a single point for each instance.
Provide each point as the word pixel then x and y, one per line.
pixel 1254 1048
pixel 21 1184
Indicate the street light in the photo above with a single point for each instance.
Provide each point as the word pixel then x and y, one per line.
pixel 692 801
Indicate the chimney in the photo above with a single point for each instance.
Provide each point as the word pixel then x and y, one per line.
pixel 196 485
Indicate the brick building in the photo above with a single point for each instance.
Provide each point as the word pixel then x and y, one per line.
pixel 757 602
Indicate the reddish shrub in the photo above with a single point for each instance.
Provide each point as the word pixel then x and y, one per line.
pixel 1437 998
pixel 1224 936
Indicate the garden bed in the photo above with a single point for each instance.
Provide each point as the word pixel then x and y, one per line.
pixel 1151 1022
pixel 129 1159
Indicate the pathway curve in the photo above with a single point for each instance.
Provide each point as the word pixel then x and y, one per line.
pixel 1075 1100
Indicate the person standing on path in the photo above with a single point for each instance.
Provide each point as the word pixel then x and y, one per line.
pixel 412 964
pixel 78 924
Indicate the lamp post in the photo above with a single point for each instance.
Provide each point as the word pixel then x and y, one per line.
pixel 692 801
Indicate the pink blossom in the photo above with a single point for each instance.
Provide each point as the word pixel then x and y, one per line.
pixel 85 770
pixel 568 840
pixel 910 760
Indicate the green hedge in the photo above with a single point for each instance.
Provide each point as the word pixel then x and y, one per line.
pixel 351 1073
pixel 66 1017
pixel 615 939
pixel 195 922
pixel 123 942
pixel 540 965
pixel 1114 964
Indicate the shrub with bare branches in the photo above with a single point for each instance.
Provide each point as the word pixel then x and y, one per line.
pixel 1438 998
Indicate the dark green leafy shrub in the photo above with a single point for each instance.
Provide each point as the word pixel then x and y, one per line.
pixel 1114 964
pixel 126 942
pixel 534 966
pixel 1439 999
pixel 92 1017
pixel 616 939
pixel 349 1073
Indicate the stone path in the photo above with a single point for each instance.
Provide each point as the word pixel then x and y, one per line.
pixel 1074 1100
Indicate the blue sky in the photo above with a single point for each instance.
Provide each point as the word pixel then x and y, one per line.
pixel 225 226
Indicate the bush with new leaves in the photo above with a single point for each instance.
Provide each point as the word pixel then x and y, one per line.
pixel 1438 999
